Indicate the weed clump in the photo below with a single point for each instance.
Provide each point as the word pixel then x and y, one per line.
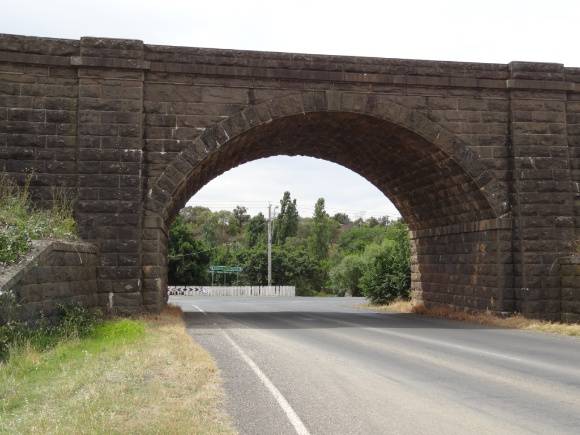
pixel 21 222
pixel 71 321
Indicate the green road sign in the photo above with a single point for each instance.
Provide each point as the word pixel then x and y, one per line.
pixel 225 269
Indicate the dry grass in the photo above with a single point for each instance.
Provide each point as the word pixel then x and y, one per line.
pixel 399 306
pixel 487 318
pixel 152 382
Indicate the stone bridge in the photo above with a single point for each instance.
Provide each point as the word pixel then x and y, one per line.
pixel 482 160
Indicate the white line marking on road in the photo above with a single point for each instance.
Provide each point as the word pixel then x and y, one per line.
pixel 295 421
pixel 199 309
pixel 461 347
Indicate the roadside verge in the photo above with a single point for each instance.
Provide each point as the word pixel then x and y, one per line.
pixel 142 375
pixel 516 321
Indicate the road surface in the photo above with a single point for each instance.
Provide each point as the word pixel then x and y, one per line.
pixel 327 366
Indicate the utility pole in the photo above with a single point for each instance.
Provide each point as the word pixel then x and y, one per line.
pixel 270 243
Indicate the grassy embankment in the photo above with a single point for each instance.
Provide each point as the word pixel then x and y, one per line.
pixel 512 322
pixel 141 375
pixel 20 222
pixel 83 374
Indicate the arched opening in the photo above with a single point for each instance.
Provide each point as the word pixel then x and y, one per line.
pixel 440 187
pixel 328 225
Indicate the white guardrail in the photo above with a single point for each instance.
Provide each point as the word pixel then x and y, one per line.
pixel 232 290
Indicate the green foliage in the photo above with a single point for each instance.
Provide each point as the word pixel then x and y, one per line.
pixel 110 332
pixel 14 242
pixel 286 224
pixel 241 216
pixel 20 222
pixel 387 275
pixel 317 254
pixel 341 218
pixel 321 231
pixel 357 238
pixel 256 230
pixel 296 267
pixel 71 321
pixel 188 257
pixel 345 276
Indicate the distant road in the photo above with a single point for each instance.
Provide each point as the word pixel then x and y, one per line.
pixel 326 366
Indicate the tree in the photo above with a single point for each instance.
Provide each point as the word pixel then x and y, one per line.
pixel 357 238
pixel 256 230
pixel 384 221
pixel 188 258
pixel 290 266
pixel 341 218
pixel 286 224
pixel 388 273
pixel 312 253
pixel 372 222
pixel 320 235
pixel 241 216
pixel 219 228
pixel 345 276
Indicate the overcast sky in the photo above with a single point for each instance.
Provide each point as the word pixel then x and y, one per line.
pixel 476 31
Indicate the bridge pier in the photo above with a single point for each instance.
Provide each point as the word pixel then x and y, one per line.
pixel 111 168
pixel 542 191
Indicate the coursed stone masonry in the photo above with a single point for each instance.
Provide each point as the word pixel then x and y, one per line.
pixel 570 281
pixel 482 160
pixel 54 273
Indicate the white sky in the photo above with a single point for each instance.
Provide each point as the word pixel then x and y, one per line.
pixel 476 31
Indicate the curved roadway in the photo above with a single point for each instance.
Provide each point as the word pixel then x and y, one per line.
pixel 327 366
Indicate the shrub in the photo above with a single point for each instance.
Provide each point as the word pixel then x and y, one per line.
pixel 20 222
pixel 71 321
pixel 345 276
pixel 388 275
pixel 14 241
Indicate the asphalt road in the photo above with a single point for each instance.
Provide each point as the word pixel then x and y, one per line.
pixel 326 366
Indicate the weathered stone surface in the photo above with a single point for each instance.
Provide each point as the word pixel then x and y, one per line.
pixel 53 273
pixel 482 160
pixel 570 288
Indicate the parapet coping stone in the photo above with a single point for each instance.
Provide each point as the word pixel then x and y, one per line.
pixel 41 249
pixel 309 67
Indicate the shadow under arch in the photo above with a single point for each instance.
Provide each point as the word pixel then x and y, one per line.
pixel 403 135
pixel 440 185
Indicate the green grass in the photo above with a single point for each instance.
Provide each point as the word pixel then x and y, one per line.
pixel 21 222
pixel 141 375
pixel 70 321
pixel 31 366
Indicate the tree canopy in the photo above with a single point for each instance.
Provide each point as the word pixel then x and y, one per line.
pixel 316 254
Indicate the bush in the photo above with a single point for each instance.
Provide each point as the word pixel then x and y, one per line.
pixel 14 241
pixel 20 222
pixel 388 275
pixel 71 321
pixel 188 257
pixel 345 276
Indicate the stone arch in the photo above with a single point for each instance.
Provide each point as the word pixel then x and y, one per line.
pixel 441 186
pixel 169 191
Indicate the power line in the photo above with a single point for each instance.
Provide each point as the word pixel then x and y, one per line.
pixel 174 257
pixel 303 208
